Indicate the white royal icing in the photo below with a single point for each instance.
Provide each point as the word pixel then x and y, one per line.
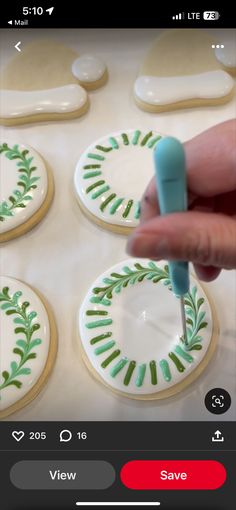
pixel 166 90
pixel 126 171
pixel 146 326
pixel 18 103
pixel 227 55
pixel 88 68
pixel 10 176
pixel 9 341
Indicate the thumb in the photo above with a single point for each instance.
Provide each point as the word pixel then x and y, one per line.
pixel 203 238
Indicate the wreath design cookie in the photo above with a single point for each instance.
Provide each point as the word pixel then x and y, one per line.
pixel 111 175
pixel 26 189
pixel 28 344
pixel 130 331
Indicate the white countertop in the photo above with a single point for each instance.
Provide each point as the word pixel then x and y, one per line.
pixel 64 254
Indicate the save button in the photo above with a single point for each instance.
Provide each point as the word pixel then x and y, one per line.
pixel 173 474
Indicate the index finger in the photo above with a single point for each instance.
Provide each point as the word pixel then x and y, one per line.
pixel 149 202
pixel 211 167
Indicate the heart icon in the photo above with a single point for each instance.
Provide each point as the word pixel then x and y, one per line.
pixel 18 435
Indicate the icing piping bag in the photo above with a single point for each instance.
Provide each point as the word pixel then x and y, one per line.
pixel 170 171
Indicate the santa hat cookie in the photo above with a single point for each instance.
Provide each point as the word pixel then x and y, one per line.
pixel 48 81
pixel 181 71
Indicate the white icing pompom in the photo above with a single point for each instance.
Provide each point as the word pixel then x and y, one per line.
pixel 88 68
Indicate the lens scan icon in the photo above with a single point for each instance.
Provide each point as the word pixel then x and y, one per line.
pixel 217 401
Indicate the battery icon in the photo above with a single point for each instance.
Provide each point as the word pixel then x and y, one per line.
pixel 211 15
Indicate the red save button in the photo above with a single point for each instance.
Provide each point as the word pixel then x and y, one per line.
pixel 173 474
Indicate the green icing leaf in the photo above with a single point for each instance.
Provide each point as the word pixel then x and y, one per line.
pixel 5 306
pixel 16 383
pixel 14 366
pixel 19 321
pixel 200 301
pixel 202 325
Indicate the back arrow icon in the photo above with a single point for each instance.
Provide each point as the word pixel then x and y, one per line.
pixel 17 46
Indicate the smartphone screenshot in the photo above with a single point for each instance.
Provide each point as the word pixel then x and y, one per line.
pixel 117 257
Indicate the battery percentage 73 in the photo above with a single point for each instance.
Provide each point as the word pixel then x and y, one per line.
pixel 211 15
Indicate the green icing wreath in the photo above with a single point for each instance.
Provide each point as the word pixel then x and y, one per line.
pixel 103 295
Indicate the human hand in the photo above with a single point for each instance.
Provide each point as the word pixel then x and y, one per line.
pixel 206 233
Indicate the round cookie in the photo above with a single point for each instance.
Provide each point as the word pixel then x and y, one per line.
pixel 130 331
pixel 181 71
pixel 26 189
pixel 39 85
pixel 28 344
pixel 111 175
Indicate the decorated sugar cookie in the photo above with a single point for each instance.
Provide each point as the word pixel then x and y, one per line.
pixel 130 331
pixel 47 81
pixel 28 344
pixel 26 189
pixel 111 175
pixel 181 71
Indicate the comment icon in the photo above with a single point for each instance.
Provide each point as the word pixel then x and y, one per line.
pixel 65 436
